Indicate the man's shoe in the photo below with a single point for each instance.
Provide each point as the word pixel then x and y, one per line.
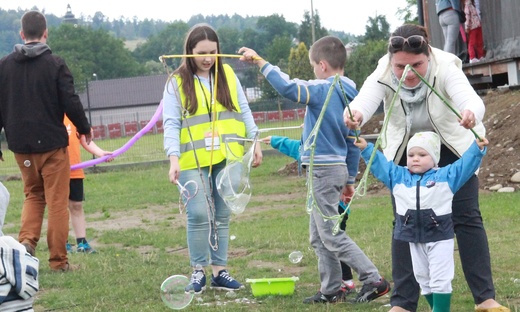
pixel 197 282
pixel 319 297
pixel 225 282
pixel 66 268
pixel 372 291
pixel 29 248
pixel 85 248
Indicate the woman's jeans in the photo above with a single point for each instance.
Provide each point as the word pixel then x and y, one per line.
pixel 207 229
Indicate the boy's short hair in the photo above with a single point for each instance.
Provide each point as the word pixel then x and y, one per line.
pixel 34 25
pixel 429 141
pixel 330 49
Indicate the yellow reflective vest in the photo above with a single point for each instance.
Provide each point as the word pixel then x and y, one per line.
pixel 211 140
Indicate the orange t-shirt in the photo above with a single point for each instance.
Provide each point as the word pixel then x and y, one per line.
pixel 74 149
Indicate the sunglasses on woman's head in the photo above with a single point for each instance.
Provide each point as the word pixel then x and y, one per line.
pixel 414 42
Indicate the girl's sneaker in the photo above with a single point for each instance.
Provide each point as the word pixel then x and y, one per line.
pixel 197 282
pixel 225 282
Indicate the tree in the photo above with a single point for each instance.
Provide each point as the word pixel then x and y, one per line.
pixel 271 27
pixel 278 49
pixel 305 30
pixel 276 53
pixel 409 13
pixel 299 65
pixel 229 39
pixel 146 28
pixel 89 51
pixel 377 28
pixel 168 41
pixel 249 38
pixel 363 60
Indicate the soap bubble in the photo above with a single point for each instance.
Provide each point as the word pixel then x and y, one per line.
pixel 173 294
pixel 233 186
pixel 295 256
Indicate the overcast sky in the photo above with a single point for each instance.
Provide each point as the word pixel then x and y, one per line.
pixel 335 14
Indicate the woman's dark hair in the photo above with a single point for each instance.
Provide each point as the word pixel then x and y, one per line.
pixel 188 68
pixel 406 31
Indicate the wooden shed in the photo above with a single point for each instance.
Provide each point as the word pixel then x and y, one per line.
pixel 501 32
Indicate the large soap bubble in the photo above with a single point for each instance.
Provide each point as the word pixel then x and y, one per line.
pixel 233 181
pixel 173 293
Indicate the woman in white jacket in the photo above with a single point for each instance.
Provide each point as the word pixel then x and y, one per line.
pixel 417 108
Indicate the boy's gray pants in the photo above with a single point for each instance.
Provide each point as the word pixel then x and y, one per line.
pixel 328 182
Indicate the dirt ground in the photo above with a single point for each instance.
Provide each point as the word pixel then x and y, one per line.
pixel 503 132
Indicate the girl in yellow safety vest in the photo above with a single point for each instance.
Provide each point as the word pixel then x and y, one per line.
pixel 204 109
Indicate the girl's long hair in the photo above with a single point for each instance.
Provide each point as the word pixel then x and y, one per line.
pixel 188 68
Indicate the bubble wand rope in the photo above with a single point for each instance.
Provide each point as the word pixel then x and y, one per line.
pixel 249 163
pixel 185 193
pixel 361 188
pixel 310 143
pixel 212 209
pixel 162 57
pixel 209 199
pixel 214 120
pixel 444 100
pixel 348 107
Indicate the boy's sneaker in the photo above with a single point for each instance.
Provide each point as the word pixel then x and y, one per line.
pixel 225 282
pixel 372 291
pixel 319 297
pixel 197 282
pixel 69 248
pixel 85 248
pixel 348 287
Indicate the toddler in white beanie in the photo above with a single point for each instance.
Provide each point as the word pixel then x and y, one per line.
pixel 429 141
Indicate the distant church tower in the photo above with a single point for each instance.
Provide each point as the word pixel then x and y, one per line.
pixel 69 17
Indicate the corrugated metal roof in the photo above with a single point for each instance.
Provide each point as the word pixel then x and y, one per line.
pixel 124 92
pixel 133 91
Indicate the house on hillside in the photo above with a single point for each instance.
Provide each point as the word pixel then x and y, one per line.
pixel 501 32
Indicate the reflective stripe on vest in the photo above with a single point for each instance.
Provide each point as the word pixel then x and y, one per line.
pixel 228 125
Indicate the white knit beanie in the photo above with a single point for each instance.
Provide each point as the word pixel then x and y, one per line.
pixel 429 141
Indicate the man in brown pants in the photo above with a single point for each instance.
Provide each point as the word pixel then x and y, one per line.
pixel 36 91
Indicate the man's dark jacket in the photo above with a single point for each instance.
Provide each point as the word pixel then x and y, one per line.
pixel 36 90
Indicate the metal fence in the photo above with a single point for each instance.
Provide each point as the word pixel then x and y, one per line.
pixel 124 131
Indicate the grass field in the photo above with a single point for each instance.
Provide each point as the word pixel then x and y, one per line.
pixel 135 224
pixel 148 148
